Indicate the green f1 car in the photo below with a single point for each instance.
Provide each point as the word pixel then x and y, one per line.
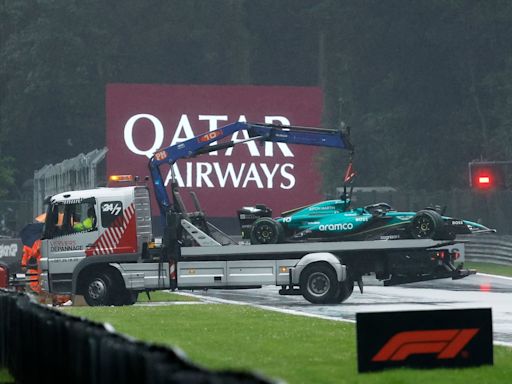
pixel 334 220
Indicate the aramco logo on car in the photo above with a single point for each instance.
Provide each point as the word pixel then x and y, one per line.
pixel 336 227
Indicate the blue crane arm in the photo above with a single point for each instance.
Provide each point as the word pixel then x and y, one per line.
pixel 263 132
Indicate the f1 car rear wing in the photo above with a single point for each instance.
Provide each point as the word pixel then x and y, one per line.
pixel 207 142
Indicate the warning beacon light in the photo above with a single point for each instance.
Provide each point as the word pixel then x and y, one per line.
pixel 484 180
pixel 121 178
pixel 486 175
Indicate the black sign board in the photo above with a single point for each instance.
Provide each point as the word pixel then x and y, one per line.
pixel 424 339
pixel 11 251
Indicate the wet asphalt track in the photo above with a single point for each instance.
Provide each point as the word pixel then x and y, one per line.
pixel 476 291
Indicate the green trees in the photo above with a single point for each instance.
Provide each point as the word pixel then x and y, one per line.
pixel 423 82
pixel 426 85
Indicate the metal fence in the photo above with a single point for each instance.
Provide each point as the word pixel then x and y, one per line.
pixel 81 172
pixel 496 249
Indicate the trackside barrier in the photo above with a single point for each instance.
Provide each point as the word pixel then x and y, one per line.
pixel 39 344
pixel 490 248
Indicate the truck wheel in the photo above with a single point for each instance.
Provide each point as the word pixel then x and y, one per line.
pixel 426 224
pixel 98 289
pixel 266 231
pixel 319 284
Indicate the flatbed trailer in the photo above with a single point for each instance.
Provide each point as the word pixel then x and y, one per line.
pixel 321 272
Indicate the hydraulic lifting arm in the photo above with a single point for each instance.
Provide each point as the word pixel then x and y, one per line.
pixel 262 132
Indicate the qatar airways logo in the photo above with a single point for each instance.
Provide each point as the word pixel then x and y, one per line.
pixel 263 173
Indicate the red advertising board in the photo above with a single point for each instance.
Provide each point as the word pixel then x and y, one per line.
pixel 142 118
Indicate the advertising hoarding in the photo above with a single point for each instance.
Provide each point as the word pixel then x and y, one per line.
pixel 141 118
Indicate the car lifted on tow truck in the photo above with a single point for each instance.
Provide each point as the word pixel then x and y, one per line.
pixel 116 259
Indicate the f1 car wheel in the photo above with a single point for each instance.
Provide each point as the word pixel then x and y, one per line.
pixel 319 284
pixel 98 289
pixel 266 231
pixel 426 224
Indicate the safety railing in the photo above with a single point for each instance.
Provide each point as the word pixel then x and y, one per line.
pixel 490 248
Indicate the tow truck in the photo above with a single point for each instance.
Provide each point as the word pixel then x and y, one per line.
pixel 118 258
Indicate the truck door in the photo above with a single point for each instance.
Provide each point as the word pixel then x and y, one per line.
pixel 71 228
pixel 117 228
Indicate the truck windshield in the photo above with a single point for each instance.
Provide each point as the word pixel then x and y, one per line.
pixel 65 219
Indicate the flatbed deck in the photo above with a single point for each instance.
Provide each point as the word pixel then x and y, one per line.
pixel 298 250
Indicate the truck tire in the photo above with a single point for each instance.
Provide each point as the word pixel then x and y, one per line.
pixel 98 289
pixel 319 284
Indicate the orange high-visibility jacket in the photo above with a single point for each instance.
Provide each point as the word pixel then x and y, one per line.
pixel 28 252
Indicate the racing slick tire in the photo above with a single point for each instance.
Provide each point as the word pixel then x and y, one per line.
pixel 427 224
pixel 98 289
pixel 319 284
pixel 266 230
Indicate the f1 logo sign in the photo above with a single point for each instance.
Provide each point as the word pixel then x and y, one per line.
pixel 446 343
pixel 425 339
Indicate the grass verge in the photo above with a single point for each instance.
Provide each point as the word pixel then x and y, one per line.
pixel 495 269
pixel 294 348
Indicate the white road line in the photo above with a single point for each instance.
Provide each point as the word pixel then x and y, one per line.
pixel 498 276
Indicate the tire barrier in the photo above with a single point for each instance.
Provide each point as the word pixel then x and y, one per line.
pixel 490 248
pixel 40 344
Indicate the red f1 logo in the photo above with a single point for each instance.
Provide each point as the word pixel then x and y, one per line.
pixel 447 343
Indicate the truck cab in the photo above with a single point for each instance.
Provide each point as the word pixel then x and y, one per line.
pixel 121 224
